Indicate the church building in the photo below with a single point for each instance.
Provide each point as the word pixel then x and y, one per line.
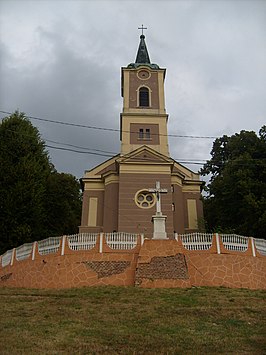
pixel 116 193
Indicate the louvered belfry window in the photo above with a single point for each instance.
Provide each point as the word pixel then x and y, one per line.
pixel 144 97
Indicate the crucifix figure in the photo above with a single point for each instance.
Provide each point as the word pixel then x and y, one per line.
pixel 142 28
pixel 158 191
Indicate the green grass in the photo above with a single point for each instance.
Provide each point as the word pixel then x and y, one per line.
pixel 116 320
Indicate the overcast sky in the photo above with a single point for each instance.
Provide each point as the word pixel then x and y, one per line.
pixel 61 60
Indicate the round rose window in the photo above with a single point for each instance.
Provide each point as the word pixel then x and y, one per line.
pixel 144 199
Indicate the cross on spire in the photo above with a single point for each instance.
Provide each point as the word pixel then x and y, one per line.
pixel 142 28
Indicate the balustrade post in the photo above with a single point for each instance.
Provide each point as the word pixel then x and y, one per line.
pixel 218 243
pixel 176 236
pixel 13 256
pixel 142 239
pixel 253 246
pixel 101 243
pixel 33 250
pixel 63 245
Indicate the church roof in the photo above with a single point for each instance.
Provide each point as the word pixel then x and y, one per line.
pixel 142 57
pixel 144 155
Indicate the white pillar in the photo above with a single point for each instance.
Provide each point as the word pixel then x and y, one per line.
pixel 63 245
pixel 218 243
pixel 159 231
pixel 253 246
pixel 34 250
pixel 13 256
pixel 101 243
pixel 158 219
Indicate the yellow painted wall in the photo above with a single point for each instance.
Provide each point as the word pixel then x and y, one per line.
pixel 93 205
pixel 192 214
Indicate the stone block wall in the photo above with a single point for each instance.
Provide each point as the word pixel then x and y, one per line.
pixel 166 263
pixel 156 263
pixel 73 269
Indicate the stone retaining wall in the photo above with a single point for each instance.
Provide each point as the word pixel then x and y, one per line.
pixel 156 263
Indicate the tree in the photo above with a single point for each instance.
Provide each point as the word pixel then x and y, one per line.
pixel 63 204
pixel 32 203
pixel 25 167
pixel 236 193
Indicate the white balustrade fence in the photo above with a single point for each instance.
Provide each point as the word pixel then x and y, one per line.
pixel 127 241
pixel 121 241
pixel 234 242
pixel 261 246
pixel 24 251
pixel 7 257
pixel 196 241
pixel 49 245
pixel 82 241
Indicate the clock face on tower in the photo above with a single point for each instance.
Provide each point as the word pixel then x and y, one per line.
pixel 143 74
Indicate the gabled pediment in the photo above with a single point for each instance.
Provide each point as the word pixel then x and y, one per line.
pixel 144 155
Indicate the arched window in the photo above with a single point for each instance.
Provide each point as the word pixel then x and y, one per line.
pixel 144 97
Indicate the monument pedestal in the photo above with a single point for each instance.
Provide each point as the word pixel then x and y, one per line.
pixel 159 226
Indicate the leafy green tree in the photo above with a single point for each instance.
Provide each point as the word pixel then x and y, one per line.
pixel 63 204
pixel 25 167
pixel 35 201
pixel 236 193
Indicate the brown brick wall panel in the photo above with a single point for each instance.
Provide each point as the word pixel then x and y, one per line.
pixel 178 214
pixel 154 133
pixel 107 268
pixel 110 215
pixel 135 82
pixel 163 268
pixel 135 219
pixel 86 229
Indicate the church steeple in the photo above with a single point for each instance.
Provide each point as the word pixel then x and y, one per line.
pixel 142 55
pixel 143 119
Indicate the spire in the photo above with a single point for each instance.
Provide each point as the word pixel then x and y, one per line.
pixel 142 55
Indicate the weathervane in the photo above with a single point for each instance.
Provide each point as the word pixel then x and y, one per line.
pixel 142 28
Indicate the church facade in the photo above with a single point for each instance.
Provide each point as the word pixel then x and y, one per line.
pixel 116 194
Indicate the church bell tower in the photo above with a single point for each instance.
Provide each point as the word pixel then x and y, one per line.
pixel 118 193
pixel 144 119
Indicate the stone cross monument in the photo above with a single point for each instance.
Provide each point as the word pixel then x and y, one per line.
pixel 158 219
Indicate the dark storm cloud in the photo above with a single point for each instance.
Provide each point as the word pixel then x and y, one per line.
pixel 69 87
pixel 61 60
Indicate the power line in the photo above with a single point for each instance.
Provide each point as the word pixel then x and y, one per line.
pixel 110 129
pixel 78 151
pixel 180 161
pixel 98 152
pixel 110 154
pixel 67 144
pixel 80 147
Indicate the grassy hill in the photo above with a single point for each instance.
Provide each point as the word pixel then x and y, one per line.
pixel 116 320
